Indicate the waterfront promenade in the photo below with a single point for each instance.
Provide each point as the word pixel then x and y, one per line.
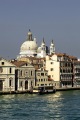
pixel 67 88
pixel 23 92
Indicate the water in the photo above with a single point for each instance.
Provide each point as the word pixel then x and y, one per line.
pixel 59 106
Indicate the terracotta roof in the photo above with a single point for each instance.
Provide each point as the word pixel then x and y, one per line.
pixel 64 54
pixel 34 58
pixel 59 54
pixel 50 79
pixel 36 67
pixel 18 63
pixel 76 61
pixel 72 57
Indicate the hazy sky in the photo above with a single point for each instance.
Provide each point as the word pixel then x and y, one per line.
pixel 52 19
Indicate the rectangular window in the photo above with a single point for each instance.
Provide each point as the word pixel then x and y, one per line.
pixel 2 63
pixel 31 73
pixel 42 74
pixel 21 72
pixel 10 70
pixel 45 73
pixel 61 70
pixel 51 69
pixel 42 84
pixel 10 81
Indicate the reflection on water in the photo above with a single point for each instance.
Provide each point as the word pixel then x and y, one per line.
pixel 58 106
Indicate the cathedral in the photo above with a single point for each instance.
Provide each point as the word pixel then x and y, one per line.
pixel 30 48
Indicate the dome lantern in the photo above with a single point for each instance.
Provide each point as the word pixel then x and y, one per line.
pixel 30 35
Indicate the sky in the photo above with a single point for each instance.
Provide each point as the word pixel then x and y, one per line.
pixel 52 19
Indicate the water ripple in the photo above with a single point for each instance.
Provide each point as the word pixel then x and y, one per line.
pixel 58 106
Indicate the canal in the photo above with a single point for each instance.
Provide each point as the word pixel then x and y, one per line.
pixel 64 105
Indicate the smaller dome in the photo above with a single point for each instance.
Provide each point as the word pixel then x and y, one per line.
pixel 39 49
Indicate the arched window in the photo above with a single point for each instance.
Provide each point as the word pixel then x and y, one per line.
pixel 21 72
pixel 10 81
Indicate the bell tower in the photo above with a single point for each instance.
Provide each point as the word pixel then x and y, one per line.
pixel 43 46
pixel 52 47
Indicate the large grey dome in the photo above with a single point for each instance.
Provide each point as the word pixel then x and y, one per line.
pixel 29 45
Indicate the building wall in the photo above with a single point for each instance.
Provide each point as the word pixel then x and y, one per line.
pixel 7 76
pixel 76 72
pixel 42 78
pixel 66 73
pixel 53 67
pixel 26 77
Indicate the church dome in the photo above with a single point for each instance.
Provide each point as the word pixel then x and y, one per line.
pixel 29 45
pixel 39 49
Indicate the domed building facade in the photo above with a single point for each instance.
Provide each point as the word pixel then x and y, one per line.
pixel 30 48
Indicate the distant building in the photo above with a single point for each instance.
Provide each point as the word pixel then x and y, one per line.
pixel 76 71
pixel 53 67
pixel 7 75
pixel 60 69
pixel 42 78
pixel 30 48
pixel 25 76
pixel 39 66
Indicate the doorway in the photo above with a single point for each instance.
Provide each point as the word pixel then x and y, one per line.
pixel 26 84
